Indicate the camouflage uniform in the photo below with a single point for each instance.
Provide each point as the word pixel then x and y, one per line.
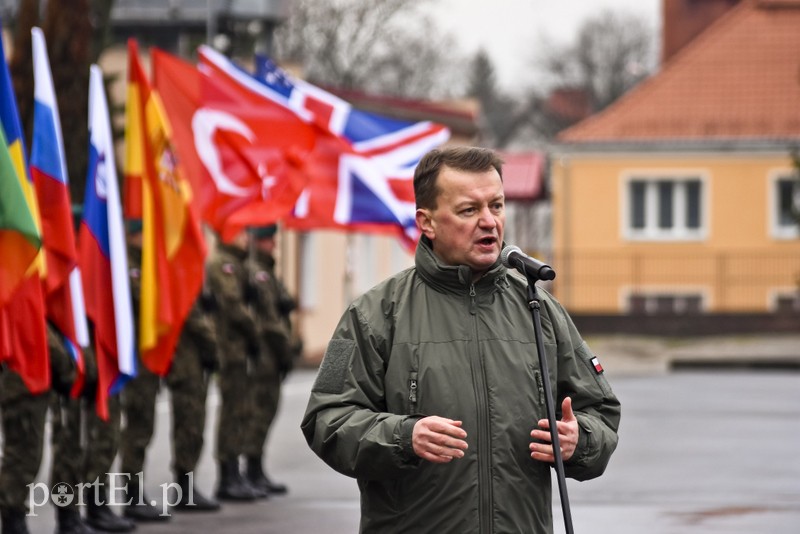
pixel 268 370
pixel 139 407
pixel 195 359
pixel 23 416
pixel 237 338
pixel 65 416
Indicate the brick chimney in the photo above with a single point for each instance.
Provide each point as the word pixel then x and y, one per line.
pixel 686 19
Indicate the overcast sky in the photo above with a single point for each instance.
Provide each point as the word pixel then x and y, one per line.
pixel 510 30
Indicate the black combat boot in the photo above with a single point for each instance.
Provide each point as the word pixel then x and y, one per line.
pixel 100 517
pixel 70 522
pixel 232 486
pixel 259 479
pixel 14 521
pixel 141 509
pixel 191 499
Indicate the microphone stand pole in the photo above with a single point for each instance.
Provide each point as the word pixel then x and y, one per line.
pixel 533 304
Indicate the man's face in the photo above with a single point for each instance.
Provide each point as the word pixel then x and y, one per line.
pixel 266 245
pixel 466 227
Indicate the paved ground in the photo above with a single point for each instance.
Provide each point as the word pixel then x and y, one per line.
pixel 701 451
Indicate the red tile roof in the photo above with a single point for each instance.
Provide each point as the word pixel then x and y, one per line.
pixel 739 79
pixel 522 175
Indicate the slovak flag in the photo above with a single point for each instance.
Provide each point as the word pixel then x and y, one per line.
pixel 103 255
pixel 361 170
pixel 62 285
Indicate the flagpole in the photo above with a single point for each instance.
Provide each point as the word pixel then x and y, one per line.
pixel 347 289
pixel 211 22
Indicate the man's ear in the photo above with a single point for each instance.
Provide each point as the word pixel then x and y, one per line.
pixel 425 222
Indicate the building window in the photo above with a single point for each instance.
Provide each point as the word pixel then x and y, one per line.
pixel 665 304
pixel 786 302
pixel 786 207
pixel 665 209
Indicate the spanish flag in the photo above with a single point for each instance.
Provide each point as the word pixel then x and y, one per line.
pixel 173 249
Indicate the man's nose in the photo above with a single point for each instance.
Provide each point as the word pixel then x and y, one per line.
pixel 487 219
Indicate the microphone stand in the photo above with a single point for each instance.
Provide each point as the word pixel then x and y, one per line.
pixel 533 304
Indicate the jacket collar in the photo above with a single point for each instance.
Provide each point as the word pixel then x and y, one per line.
pixel 449 278
pixel 232 250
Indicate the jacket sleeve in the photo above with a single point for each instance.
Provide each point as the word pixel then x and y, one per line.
pixel 346 422
pixel 595 405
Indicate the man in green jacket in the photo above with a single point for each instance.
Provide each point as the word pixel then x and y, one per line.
pixel 430 393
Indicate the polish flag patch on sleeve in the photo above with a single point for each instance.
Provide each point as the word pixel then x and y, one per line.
pixel 598 367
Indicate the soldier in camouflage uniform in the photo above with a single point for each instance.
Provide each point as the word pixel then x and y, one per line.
pixel 102 443
pixel 268 299
pixel 237 338
pixel 23 415
pixel 66 417
pixel 195 359
pixel 138 400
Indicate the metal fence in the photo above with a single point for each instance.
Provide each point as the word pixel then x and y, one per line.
pixel 703 281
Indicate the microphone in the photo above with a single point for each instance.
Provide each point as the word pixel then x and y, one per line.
pixel 513 258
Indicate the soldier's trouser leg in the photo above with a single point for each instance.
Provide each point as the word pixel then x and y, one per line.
pixel 102 441
pixel 65 425
pixel 264 392
pixel 233 410
pixel 139 407
pixel 23 419
pixel 188 389
pixel 232 420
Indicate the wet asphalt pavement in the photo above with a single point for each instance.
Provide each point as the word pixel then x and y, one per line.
pixel 700 452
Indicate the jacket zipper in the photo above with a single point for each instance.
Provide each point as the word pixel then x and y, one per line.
pixel 484 432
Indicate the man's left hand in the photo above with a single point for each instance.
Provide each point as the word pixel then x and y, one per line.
pixel 568 431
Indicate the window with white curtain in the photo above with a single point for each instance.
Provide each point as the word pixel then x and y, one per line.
pixel 665 209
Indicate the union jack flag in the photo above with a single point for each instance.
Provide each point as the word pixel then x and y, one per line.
pixel 363 164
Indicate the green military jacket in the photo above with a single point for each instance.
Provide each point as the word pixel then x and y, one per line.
pixel 428 341
pixel 227 278
pixel 266 294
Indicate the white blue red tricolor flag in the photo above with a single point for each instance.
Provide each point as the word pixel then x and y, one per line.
pixel 361 169
pixel 103 256
pixel 63 288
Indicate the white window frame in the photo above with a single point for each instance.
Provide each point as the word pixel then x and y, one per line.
pixel 679 230
pixel 776 293
pixel 627 292
pixel 778 230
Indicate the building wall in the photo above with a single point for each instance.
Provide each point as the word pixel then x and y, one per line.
pixel 735 263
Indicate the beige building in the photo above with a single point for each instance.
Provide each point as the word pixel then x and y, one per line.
pixel 677 199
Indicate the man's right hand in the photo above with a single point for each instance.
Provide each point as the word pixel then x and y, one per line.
pixel 438 440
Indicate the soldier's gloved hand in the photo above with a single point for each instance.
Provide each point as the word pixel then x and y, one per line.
pixel 60 385
pixel 250 294
pixel 208 301
pixel 253 349
pixel 286 305
pixel 209 360
pixel 89 390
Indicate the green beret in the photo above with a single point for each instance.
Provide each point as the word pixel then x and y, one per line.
pixel 134 226
pixel 263 232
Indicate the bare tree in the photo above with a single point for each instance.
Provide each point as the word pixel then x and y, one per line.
pixel 613 52
pixel 383 46
pixel 501 114
pixel 76 32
